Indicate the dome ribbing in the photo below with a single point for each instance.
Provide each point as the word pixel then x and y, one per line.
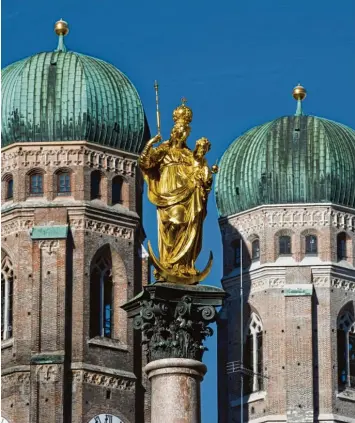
pixel 293 159
pixel 67 96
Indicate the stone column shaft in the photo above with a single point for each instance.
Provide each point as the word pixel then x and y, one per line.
pixel 175 385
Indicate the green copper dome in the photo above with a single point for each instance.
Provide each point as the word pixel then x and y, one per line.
pixel 67 96
pixel 293 159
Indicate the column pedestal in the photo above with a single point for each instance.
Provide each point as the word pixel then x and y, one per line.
pixel 175 384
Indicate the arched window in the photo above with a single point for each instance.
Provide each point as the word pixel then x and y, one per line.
pixel 9 188
pixel 253 355
pixel 285 245
pixel 255 250
pixel 95 186
pixel 117 184
pixel 311 244
pixel 346 350
pixel 341 246
pixel 36 184
pixel 101 297
pixel 7 282
pixel 63 183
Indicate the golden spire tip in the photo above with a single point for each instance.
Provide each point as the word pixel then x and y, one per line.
pixel 61 27
pixel 299 92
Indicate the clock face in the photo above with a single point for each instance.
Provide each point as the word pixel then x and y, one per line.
pixel 105 418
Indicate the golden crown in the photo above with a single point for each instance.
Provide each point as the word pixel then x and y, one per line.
pixel 182 114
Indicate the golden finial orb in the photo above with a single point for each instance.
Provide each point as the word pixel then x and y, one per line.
pixel 61 27
pixel 214 168
pixel 299 92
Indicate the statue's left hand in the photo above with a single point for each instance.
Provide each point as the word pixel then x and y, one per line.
pixel 155 140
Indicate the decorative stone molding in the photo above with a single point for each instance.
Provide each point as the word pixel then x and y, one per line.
pixel 328 282
pixel 102 228
pixel 47 373
pixel 174 318
pixel 318 281
pixel 16 225
pixel 108 343
pixel 321 281
pixel 347 394
pixel 49 245
pixel 256 285
pixel 343 284
pixel 287 217
pixel 17 378
pixel 71 155
pixel 107 381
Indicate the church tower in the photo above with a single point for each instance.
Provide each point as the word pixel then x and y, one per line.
pixel 72 129
pixel 286 198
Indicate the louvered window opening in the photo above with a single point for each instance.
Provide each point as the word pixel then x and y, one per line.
pixel 285 245
pixel 101 299
pixel 10 189
pixel 36 185
pixel 346 351
pixel 64 187
pixel 7 282
pixel 311 245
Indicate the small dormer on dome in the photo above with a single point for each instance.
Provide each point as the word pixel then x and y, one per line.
pixel 293 159
pixel 68 96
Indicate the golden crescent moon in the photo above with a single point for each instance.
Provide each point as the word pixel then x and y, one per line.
pixel 185 280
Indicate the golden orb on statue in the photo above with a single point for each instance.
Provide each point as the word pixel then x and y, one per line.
pixel 214 168
pixel 182 114
pixel 299 92
pixel 61 27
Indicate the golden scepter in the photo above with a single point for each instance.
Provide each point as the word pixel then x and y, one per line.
pixel 156 86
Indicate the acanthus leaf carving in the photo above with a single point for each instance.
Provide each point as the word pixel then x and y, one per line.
pixel 174 329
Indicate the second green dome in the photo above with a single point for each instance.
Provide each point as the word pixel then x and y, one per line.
pixel 293 159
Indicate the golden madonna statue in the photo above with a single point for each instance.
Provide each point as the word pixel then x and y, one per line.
pixel 179 181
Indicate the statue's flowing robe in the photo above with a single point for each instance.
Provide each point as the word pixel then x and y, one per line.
pixel 180 202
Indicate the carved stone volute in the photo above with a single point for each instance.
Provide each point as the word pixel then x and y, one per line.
pixel 174 319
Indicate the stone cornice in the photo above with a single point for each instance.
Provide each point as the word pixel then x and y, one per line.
pixel 107 224
pixel 15 369
pixel 103 376
pixel 115 214
pixel 295 206
pixel 331 282
pixel 333 271
pixel 50 144
pixel 255 285
pixel 104 370
pixel 98 379
pixel 326 276
pixel 291 216
pixel 66 154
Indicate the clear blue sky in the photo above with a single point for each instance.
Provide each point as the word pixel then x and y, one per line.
pixel 235 61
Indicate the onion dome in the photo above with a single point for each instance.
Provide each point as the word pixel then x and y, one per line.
pixel 293 159
pixel 68 96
